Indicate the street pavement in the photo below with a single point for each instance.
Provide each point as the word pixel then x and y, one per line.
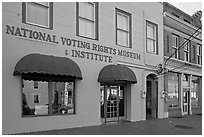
pixel 187 125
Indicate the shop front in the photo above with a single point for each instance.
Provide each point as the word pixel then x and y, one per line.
pixel 184 92
pixel 114 80
pixel 74 71
pixel 48 84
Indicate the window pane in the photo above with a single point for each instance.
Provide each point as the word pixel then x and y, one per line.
pixel 194 91
pixel 32 12
pixel 35 101
pixel 82 27
pixel 90 11
pixel 186 56
pixel 82 9
pixel 43 15
pixel 175 41
pixel 86 10
pixel 198 50
pixel 90 29
pixel 86 28
pixel 122 22
pixel 119 21
pixel 175 55
pixel 173 90
pixel 125 23
pixel 150 45
pixel 63 97
pixel 119 37
pixel 125 38
pixel 150 32
pixel 35 85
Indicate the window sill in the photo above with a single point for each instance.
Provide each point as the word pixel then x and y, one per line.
pixel 37 25
pixel 32 116
pixel 153 53
pixel 124 46
pixel 87 37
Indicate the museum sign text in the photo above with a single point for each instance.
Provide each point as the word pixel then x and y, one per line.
pixel 93 51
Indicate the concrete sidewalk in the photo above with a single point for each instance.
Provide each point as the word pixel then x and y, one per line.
pixel 188 125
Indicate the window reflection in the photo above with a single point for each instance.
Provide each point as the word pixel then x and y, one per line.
pixel 44 101
pixel 194 91
pixel 173 93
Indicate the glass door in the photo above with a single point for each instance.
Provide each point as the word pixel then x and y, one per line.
pixel 112 106
pixel 186 94
pixel 112 103
pixel 186 102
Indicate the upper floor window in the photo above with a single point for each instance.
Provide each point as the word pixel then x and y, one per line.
pixel 199 54
pixel 186 51
pixel 123 28
pixel 38 14
pixel 152 40
pixel 174 14
pixel 175 46
pixel 87 19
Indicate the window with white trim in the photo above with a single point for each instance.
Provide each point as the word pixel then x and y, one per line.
pixel 175 45
pixel 151 38
pixel 186 51
pixel 38 14
pixel 87 22
pixel 199 54
pixel 123 28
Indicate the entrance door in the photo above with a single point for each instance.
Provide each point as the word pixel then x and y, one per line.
pixel 186 98
pixel 112 106
pixel 149 100
pixel 151 96
pixel 112 103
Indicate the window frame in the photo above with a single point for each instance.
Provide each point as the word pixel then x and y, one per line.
pixel 96 21
pixel 197 91
pixel 175 47
pixel 49 90
pixel 155 26
pixel 173 74
pixel 199 54
pixel 35 85
pixel 124 13
pixel 50 15
pixel 187 50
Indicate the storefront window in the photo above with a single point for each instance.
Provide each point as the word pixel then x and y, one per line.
pixel 194 91
pixel 173 93
pixel 48 99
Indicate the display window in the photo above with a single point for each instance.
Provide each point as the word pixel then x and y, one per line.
pixel 50 98
pixel 173 92
pixel 194 91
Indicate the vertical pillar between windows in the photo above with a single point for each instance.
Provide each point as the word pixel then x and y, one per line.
pixel 77 18
pixel 49 97
pixel 24 12
pixel 97 21
pixel 200 93
pixel 51 15
pixel 181 94
pixel 190 84
pixel 105 103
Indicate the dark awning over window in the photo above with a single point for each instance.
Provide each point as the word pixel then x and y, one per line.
pixel 117 73
pixel 47 65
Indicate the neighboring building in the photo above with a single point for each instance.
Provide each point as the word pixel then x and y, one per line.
pixel 183 82
pixel 70 65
